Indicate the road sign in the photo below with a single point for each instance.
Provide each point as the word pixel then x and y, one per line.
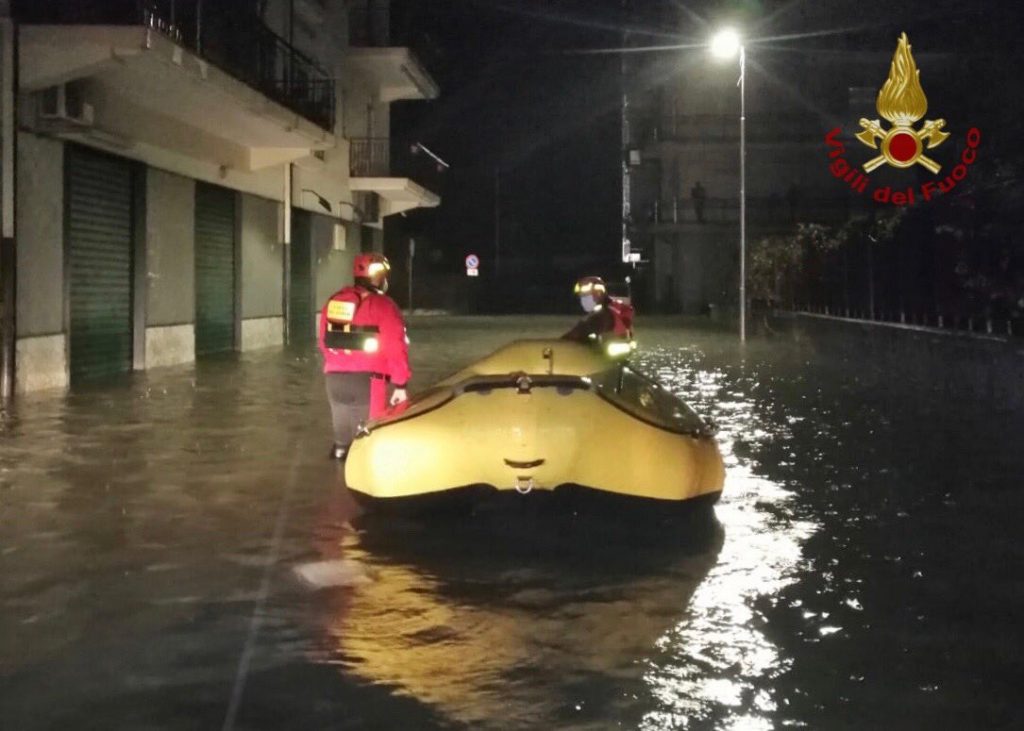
pixel 472 262
pixel 472 272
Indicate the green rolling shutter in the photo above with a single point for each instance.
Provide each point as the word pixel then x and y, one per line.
pixel 98 207
pixel 215 269
pixel 300 292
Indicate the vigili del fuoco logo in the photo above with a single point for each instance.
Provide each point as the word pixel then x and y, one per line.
pixel 902 103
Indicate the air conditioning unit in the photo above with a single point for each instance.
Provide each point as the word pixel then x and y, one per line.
pixel 65 103
pixel 340 237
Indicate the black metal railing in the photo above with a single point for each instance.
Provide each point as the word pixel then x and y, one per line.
pixel 371 157
pixel 911 280
pixel 950 318
pixel 760 128
pixel 229 35
pixel 760 210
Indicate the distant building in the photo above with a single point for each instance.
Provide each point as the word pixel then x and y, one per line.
pixel 681 148
pixel 192 177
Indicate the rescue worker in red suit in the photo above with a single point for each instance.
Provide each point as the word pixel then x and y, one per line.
pixel 364 345
pixel 606 317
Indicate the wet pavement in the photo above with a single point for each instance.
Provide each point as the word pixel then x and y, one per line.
pixel 161 544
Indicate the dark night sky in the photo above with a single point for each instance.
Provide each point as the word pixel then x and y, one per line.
pixel 512 98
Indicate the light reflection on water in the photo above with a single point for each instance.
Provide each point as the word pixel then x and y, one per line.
pixel 717 662
pixel 517 643
pixel 665 644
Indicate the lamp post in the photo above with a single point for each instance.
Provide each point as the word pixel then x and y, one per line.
pixel 725 45
pixel 497 221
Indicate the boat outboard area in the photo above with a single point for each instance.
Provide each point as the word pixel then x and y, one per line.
pixel 548 422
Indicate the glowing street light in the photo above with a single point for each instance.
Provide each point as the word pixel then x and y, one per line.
pixel 725 45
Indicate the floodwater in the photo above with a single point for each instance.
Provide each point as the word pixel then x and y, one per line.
pixel 176 553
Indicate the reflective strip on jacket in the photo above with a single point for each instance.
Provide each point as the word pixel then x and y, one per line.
pixel 364 308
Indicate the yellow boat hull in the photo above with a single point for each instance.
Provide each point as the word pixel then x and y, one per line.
pixel 516 421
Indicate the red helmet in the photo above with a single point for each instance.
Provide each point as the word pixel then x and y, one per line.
pixel 373 267
pixel 593 286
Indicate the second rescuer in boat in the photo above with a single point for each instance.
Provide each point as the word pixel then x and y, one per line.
pixel 607 319
pixel 364 345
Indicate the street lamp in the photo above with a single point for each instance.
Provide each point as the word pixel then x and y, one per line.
pixel 725 45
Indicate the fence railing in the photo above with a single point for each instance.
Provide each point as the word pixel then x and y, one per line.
pixel 760 129
pixel 1006 325
pixel 916 278
pixel 760 210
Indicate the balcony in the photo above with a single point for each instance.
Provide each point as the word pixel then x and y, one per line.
pixel 397 71
pixel 173 83
pixel 404 183
pixel 238 43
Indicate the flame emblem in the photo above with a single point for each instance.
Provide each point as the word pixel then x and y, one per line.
pixel 902 102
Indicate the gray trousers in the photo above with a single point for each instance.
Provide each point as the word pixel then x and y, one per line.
pixel 349 397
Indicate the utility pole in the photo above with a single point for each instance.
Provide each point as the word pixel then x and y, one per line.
pixel 497 221
pixel 626 135
pixel 199 26
pixel 743 194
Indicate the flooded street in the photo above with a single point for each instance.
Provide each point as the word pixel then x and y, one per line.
pixel 160 540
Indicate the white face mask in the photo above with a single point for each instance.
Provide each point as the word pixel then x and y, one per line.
pixel 588 303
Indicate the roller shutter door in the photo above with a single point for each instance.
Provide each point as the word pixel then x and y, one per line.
pixel 215 269
pixel 98 206
pixel 300 292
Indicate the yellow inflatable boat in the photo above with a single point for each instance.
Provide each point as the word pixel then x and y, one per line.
pixel 539 417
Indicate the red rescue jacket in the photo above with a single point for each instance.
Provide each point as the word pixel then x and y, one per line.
pixel 354 316
pixel 622 312
pixel 613 318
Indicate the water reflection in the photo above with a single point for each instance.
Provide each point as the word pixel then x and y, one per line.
pixel 517 625
pixel 718 663
pixel 524 624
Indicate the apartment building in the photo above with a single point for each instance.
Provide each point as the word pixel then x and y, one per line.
pixel 188 178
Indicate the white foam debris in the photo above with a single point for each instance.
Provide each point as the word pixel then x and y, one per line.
pixel 334 572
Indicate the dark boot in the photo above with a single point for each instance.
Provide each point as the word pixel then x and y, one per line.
pixel 339 451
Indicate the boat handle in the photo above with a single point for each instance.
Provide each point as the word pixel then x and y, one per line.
pixel 524 485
